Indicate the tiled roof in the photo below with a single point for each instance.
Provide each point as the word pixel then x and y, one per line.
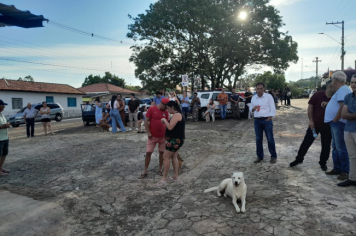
pixel 37 87
pixel 105 87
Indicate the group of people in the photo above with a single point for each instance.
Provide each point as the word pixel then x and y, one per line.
pixel 332 114
pixel 281 95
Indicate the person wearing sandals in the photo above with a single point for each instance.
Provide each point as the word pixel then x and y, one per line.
pixel 115 114
pixel 156 134
pixel 210 111
pixel 45 112
pixel 98 111
pixel 4 139
pixel 175 135
pixel 142 115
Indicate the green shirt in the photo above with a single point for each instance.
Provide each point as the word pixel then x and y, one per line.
pixel 3 132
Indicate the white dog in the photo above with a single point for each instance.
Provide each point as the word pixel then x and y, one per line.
pixel 233 187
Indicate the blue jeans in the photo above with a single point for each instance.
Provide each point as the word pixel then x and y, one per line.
pixel 267 126
pixel 115 116
pixel 185 112
pixel 339 152
pixel 222 111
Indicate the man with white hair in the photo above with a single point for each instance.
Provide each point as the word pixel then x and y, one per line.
pixel 337 124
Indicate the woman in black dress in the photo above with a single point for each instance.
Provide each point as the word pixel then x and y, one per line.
pixel 175 135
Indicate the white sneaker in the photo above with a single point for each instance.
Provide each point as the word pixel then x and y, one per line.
pixel 136 129
pixel 110 129
pixel 119 130
pixel 130 129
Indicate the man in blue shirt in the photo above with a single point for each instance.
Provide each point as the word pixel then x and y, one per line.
pixel 349 113
pixel 157 100
pixel 337 124
pixel 185 105
pixel 235 99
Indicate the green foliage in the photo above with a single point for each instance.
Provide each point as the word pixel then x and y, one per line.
pixel 272 81
pixel 309 83
pixel 27 78
pixel 295 89
pixel 107 78
pixel 135 88
pixel 204 38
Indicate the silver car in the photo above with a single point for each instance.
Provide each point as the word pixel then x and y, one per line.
pixel 56 114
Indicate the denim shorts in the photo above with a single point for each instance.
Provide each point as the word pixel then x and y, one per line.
pixel 4 148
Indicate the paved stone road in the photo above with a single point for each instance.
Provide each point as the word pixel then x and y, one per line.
pixel 93 177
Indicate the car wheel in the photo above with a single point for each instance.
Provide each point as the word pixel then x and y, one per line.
pixel 15 126
pixel 86 123
pixel 201 113
pixel 58 117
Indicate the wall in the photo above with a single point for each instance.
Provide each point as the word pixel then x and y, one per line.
pixel 35 98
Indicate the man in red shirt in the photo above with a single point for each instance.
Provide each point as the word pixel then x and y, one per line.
pixel 156 134
pixel 316 113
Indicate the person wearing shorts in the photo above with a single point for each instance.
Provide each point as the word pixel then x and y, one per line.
pixel 4 139
pixel 175 135
pixel 156 134
pixel 45 112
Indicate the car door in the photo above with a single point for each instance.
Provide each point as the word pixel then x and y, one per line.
pixel 38 107
pixel 204 99
pixel 216 102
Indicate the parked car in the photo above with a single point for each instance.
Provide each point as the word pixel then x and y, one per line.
pixel 147 101
pixel 205 96
pixel 56 114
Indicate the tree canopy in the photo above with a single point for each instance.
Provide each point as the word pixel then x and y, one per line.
pixel 205 38
pixel 107 78
pixel 27 78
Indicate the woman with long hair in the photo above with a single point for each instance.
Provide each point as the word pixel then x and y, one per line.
pixel 195 104
pixel 173 97
pixel 175 135
pixel 98 111
pixel 115 114
pixel 122 108
pixel 45 112
pixel 210 111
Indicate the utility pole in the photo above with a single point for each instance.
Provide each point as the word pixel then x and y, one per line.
pixel 316 71
pixel 342 41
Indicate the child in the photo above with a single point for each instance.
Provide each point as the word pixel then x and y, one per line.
pixel 105 123
pixel 142 115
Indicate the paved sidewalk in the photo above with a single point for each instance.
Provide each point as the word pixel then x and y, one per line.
pixel 94 178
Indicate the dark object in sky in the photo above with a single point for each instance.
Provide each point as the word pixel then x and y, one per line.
pixel 11 16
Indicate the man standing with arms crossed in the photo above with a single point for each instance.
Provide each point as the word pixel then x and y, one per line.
pixel 29 116
pixel 156 134
pixel 235 99
pixel 133 106
pixel 264 109
pixel 337 124
pixel 349 113
pixel 4 139
pixel 316 113
pixel 223 98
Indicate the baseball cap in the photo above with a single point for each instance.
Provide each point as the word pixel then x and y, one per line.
pixel 165 100
pixel 2 103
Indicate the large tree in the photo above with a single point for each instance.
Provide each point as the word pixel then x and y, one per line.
pixel 27 78
pixel 206 39
pixel 107 78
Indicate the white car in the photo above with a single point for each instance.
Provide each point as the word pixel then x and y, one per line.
pixel 205 97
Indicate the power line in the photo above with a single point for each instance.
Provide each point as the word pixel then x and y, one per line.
pixel 82 32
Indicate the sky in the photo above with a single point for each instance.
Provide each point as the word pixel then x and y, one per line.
pixel 52 54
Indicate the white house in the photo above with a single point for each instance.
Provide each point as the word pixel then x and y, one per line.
pixel 18 93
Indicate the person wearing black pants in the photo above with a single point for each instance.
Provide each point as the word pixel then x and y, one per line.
pixel 316 113
pixel 29 116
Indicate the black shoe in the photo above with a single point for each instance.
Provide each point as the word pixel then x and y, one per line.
pixel 296 162
pixel 239 118
pixel 273 160
pixel 347 183
pixel 258 160
pixel 33 136
pixel 324 167
pixel 343 176
pixel 333 172
pixel 28 136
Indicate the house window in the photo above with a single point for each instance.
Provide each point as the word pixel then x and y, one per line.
pixel 72 102
pixel 17 103
pixel 49 99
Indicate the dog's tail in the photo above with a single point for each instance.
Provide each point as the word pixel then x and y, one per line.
pixel 211 189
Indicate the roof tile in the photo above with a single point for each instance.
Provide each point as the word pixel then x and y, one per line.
pixel 105 87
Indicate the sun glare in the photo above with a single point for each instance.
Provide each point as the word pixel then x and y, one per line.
pixel 243 15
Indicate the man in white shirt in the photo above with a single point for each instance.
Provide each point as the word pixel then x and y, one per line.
pixel 29 116
pixel 263 107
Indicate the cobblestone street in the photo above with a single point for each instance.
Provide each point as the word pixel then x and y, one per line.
pixel 91 179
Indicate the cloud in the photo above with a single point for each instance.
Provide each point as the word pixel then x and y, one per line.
pixel 283 2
